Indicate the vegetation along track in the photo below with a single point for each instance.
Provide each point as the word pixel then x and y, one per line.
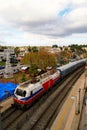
pixel 38 117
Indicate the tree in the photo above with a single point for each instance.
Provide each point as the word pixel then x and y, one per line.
pixel 64 56
pixel 33 71
pixel 77 49
pixel 41 59
pixel 34 49
pixel 55 46
pixel 46 59
pixel 23 78
pixel 29 49
pixel 17 51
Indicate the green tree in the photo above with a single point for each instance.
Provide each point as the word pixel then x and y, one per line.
pixel 78 49
pixel 34 49
pixel 33 71
pixel 55 46
pixel 29 49
pixel 23 78
pixel 17 50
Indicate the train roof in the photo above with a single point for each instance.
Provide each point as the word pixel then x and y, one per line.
pixel 65 66
pixel 28 86
pixel 70 64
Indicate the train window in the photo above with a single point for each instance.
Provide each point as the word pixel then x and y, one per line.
pixel 37 79
pixel 31 92
pixel 21 92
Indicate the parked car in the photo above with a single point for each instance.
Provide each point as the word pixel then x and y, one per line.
pixel 1 74
pixel 15 71
pixel 2 67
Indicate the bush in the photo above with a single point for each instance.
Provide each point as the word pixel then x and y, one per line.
pixel 23 78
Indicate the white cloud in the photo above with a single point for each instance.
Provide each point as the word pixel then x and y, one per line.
pixel 78 16
pixel 28 10
pixel 40 19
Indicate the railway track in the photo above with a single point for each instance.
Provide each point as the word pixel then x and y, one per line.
pixel 40 114
pixel 41 121
pixel 13 115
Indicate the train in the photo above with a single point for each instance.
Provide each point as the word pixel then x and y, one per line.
pixel 26 93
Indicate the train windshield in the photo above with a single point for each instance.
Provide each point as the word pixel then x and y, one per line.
pixel 21 92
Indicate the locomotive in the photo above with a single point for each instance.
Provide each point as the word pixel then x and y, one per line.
pixel 26 93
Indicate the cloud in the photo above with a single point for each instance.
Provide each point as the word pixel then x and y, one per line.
pixel 28 10
pixel 42 18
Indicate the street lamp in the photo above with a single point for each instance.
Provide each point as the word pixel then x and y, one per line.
pixel 79 101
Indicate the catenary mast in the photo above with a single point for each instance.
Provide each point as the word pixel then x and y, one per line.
pixel 8 69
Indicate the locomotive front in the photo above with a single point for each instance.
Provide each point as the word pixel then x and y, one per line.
pixel 20 96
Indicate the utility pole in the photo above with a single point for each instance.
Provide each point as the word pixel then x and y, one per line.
pixel 79 101
pixel 8 69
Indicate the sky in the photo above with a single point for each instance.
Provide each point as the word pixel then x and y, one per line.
pixel 43 22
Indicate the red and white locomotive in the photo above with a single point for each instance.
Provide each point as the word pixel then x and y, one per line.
pixel 29 91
